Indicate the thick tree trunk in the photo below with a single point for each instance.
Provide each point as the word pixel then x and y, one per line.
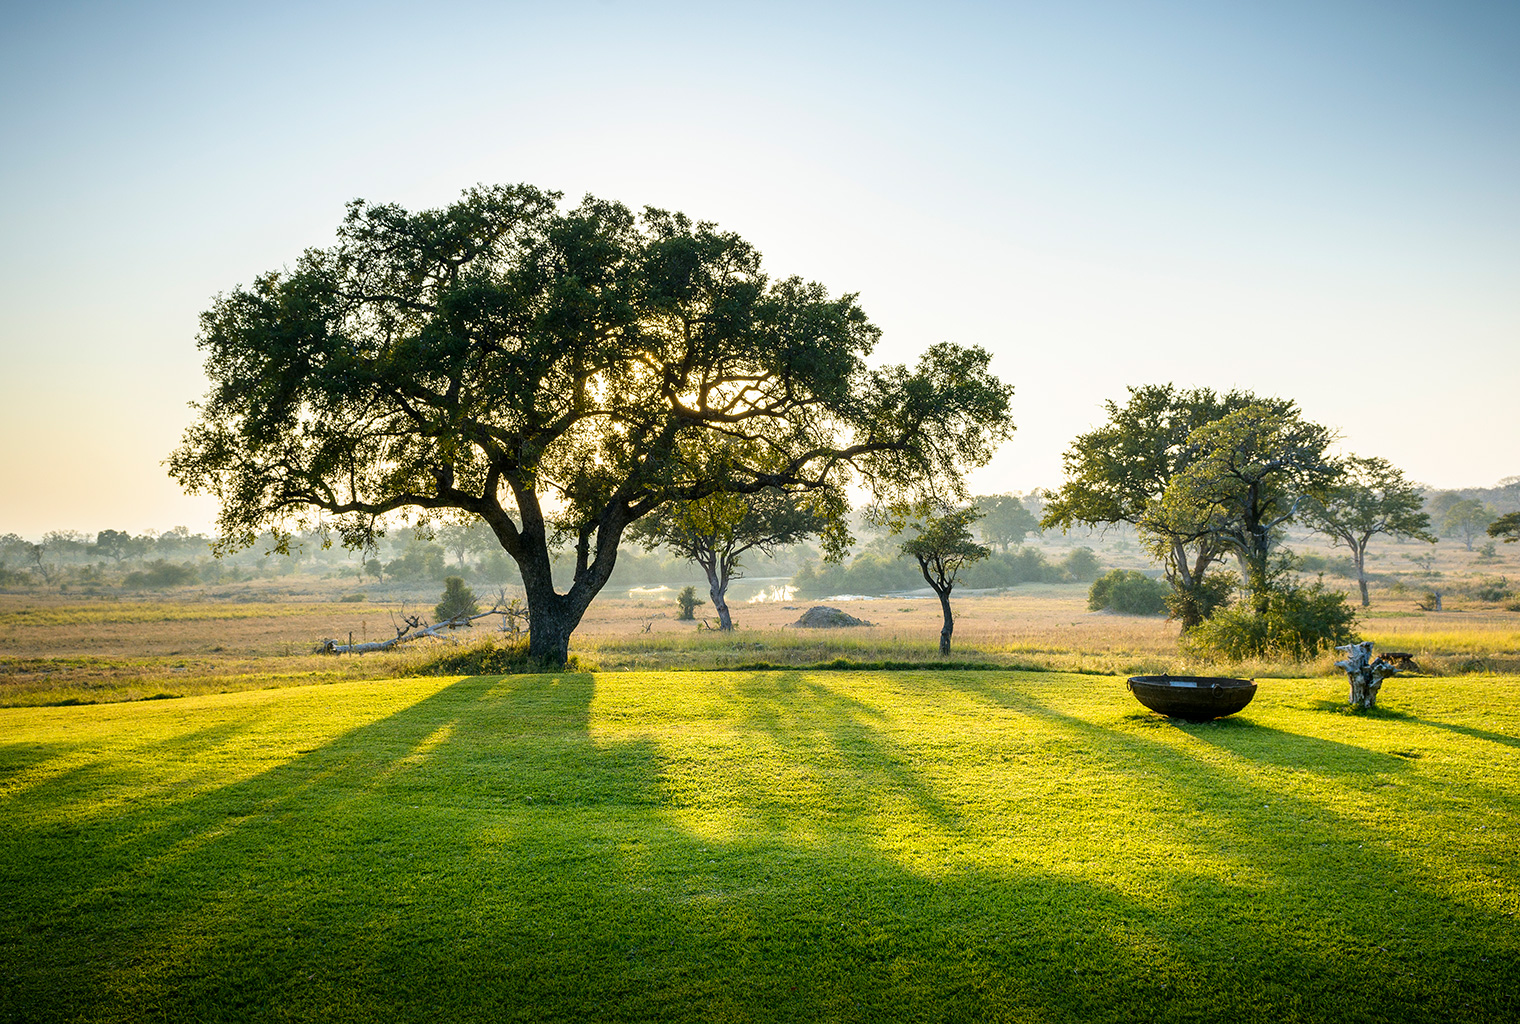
pixel 1256 582
pixel 1187 576
pixel 717 591
pixel 549 631
pixel 552 616
pixel 1187 609
pixel 949 627
pixel 1184 583
pixel 1360 555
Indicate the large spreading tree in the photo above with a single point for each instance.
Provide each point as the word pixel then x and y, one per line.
pixel 559 375
pixel 1248 474
pixel 1121 471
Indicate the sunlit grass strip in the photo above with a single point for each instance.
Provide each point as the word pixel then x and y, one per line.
pixel 796 647
pixel 104 612
pixel 40 682
pixel 783 845
pixel 1446 641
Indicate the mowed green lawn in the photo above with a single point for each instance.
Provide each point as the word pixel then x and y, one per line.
pixel 778 845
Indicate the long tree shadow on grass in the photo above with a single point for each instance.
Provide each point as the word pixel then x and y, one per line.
pixel 811 722
pixel 485 854
pixel 1472 732
pixel 1354 871
pixel 1265 744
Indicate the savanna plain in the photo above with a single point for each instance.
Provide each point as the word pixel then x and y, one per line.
pixel 780 824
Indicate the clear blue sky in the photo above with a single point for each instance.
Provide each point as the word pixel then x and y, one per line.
pixel 1313 200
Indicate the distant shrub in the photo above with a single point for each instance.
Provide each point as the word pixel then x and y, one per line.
pixel 161 574
pixel 1491 590
pixel 351 598
pixel 1011 568
pixel 687 601
pixel 1127 592
pixel 1082 565
pixel 498 568
pixel 875 573
pixel 1300 623
pixel 1336 565
pixel 458 599
pixel 868 573
pixel 422 560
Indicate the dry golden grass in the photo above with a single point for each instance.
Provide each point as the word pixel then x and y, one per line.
pixel 59 648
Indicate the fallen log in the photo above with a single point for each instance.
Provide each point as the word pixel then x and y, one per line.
pixel 514 617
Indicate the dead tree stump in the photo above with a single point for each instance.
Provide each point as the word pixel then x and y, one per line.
pixel 1365 672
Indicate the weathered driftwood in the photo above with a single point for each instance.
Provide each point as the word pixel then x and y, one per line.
pixel 514 620
pixel 1365 672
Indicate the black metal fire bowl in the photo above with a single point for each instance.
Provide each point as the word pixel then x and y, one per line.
pixel 1194 698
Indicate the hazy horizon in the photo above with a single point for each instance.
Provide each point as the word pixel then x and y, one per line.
pixel 1319 202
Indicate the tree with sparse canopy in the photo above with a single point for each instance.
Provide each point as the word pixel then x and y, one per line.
pixel 942 545
pixel 462 539
pixel 1466 520
pixel 1120 472
pixel 559 375
pixel 1371 497
pixel 716 532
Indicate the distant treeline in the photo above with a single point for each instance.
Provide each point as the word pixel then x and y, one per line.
pixel 879 573
pixel 176 558
pixel 1503 497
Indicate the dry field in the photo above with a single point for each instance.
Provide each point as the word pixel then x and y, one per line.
pixel 62 648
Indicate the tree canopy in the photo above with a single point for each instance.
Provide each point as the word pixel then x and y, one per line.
pixel 1506 526
pixel 941 543
pixel 1370 497
pixel 559 375
pixel 1120 473
pixel 1004 520
pixel 1467 519
pixel 1249 473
